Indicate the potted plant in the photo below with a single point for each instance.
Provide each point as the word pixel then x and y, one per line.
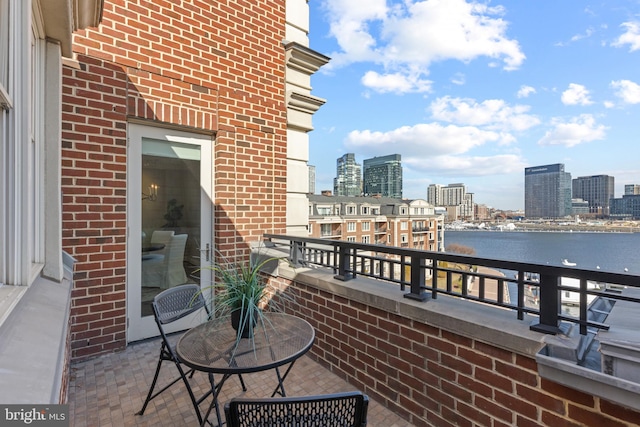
pixel 243 293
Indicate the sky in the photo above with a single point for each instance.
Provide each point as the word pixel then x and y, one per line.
pixel 474 92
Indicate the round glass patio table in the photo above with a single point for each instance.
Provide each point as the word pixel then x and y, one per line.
pixel 278 339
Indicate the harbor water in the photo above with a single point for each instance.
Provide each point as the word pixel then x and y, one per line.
pixel 612 252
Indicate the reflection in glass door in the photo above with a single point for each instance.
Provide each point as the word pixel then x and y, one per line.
pixel 169 219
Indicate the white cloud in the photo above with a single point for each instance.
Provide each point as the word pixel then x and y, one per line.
pixel 627 90
pixel 525 91
pixel 395 82
pixel 409 36
pixel 578 130
pixel 422 140
pixel 576 95
pixel 630 37
pixel 494 114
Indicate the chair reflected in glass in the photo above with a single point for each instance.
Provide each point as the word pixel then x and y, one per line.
pixel 348 409
pixel 165 270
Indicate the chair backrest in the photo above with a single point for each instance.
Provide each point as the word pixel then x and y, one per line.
pixel 174 260
pixel 175 303
pixel 162 237
pixel 348 409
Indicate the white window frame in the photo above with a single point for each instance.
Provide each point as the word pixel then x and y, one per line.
pixel 366 239
pixel 365 226
pixel 351 226
pixel 351 239
pixel 7 24
pixel 404 225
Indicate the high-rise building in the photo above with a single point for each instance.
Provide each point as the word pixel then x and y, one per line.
pixel 383 176
pixel 631 189
pixel 547 191
pixel 597 190
pixel 434 194
pixel 348 180
pixel 453 195
pixel 312 179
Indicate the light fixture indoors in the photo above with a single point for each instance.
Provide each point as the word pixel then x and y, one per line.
pixel 153 193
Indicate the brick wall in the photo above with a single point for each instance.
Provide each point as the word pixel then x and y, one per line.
pixel 435 377
pixel 216 67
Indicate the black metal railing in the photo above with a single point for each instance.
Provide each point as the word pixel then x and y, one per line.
pixel 540 290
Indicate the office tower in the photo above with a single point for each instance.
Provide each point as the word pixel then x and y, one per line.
pixel 597 190
pixel 312 179
pixel 383 176
pixel 547 191
pixel 434 194
pixel 348 180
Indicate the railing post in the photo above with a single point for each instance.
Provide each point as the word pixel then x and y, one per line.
pixel 344 264
pixel 417 279
pixel 549 305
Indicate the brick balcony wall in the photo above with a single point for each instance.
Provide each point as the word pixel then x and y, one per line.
pixel 446 362
pixel 216 68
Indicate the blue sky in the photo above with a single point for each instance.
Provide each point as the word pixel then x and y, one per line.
pixel 474 92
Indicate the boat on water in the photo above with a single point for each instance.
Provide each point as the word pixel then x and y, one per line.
pixel 568 263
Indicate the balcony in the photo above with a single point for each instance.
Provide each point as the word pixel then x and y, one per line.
pixel 432 338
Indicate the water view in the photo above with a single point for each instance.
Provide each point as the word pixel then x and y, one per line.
pixel 612 252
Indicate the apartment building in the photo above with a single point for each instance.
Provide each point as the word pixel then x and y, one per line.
pixel 597 190
pixel 376 220
pixel 458 201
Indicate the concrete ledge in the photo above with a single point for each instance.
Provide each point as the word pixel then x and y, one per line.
pixel 491 325
pixel 32 344
pixel 611 388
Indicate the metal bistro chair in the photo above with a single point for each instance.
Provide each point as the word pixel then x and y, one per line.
pixel 168 306
pixel 348 409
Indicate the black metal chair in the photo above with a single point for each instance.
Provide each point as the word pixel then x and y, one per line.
pixel 348 409
pixel 169 306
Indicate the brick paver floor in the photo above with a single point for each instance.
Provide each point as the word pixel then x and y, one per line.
pixel 107 391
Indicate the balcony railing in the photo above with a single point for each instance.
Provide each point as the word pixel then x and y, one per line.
pixel 425 274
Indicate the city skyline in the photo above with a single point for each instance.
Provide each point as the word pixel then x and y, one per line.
pixel 481 95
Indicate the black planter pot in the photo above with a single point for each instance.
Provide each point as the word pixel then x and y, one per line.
pixel 248 323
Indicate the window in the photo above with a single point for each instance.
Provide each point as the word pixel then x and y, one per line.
pixel 404 225
pixel 351 226
pixel 310 229
pixel 325 229
pixel 351 239
pixel 375 211
pixel 351 210
pixel 365 239
pixel 324 210
pixel 403 210
pixel 366 226
pixel 403 238
pixel 365 210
